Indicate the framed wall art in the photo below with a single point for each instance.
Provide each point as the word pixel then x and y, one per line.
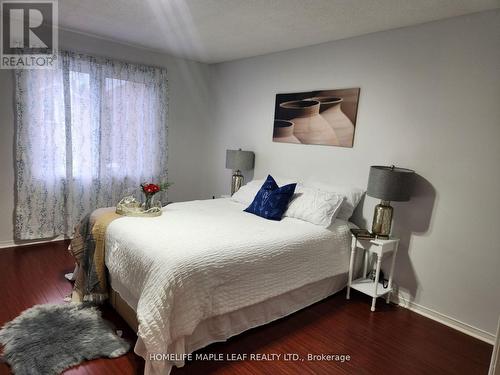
pixel 322 117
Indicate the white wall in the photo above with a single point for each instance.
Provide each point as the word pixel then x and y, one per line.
pixel 188 118
pixel 430 101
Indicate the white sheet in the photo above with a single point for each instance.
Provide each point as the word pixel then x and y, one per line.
pixel 202 259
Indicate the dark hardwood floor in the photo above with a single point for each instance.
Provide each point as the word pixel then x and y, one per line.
pixel 392 340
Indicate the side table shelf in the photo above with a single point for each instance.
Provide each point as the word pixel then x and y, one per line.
pixel 367 286
pixel 372 288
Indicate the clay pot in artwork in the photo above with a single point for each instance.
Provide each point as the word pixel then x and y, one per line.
pixel 330 109
pixel 283 132
pixel 309 126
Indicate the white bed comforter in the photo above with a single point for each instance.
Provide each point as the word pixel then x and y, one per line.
pixel 206 258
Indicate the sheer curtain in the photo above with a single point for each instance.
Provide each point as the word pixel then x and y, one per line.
pixel 88 133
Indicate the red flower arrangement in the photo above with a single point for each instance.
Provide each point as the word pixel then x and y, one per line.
pixel 150 189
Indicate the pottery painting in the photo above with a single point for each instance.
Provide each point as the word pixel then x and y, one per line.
pixel 323 117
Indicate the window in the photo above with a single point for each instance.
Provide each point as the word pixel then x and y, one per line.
pixel 87 133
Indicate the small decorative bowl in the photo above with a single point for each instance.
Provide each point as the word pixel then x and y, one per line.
pixel 129 206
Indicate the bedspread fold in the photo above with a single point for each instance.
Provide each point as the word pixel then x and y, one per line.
pixel 88 249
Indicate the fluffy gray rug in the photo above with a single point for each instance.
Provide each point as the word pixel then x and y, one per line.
pixel 48 339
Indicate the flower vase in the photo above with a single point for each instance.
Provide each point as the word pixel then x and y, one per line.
pixel 148 202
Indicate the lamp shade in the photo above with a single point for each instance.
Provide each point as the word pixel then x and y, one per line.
pixel 390 183
pixel 240 160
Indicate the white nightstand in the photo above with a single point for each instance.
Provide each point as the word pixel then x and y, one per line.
pixel 372 288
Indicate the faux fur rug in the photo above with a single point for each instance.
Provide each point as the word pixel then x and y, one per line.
pixel 48 339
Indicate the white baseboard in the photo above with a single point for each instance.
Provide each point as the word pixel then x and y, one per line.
pixel 11 243
pixel 445 319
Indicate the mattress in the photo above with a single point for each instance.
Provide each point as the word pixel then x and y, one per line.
pixel 206 259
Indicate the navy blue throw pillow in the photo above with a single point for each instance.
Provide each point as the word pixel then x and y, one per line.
pixel 271 201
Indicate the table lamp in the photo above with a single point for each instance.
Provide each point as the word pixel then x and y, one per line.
pixel 388 184
pixel 238 161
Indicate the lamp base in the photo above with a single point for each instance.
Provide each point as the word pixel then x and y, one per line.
pixel 236 181
pixel 382 220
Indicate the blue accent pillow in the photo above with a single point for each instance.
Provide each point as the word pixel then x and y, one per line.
pixel 271 200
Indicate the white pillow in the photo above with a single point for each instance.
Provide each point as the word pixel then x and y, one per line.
pixel 314 206
pixel 247 193
pixel 352 197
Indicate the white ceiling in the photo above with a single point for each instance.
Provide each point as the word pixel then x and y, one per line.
pixel 213 31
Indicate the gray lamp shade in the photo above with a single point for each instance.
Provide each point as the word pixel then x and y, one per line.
pixel 390 183
pixel 239 160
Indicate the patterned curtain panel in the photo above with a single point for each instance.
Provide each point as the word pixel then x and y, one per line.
pixel 88 133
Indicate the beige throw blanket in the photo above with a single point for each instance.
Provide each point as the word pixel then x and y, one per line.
pixel 88 249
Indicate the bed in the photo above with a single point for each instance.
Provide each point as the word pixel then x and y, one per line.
pixel 205 271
